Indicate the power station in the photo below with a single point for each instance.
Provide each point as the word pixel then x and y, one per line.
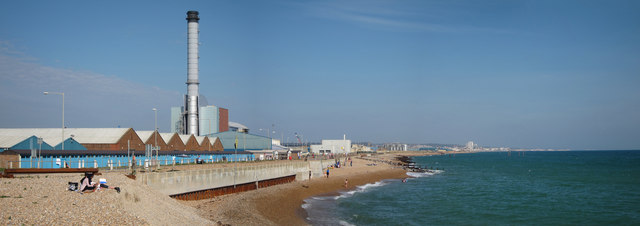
pixel 191 99
pixel 193 118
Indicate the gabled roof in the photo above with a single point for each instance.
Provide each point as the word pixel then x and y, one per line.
pixel 9 139
pixel 166 136
pixel 200 139
pixel 97 135
pixel 185 138
pixel 145 135
pixel 53 136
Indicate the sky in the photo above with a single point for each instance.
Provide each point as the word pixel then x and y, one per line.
pixel 513 73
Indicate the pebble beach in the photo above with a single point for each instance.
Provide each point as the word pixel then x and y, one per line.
pixel 40 199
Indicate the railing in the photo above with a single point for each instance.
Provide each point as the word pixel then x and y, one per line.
pixel 117 162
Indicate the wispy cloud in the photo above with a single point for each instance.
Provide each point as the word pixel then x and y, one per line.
pixel 391 15
pixel 92 99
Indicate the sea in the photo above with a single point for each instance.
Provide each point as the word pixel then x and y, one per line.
pixel 496 188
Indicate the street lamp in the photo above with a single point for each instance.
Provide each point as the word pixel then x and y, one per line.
pixel 47 93
pixel 155 136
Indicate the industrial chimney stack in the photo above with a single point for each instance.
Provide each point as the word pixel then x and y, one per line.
pixel 191 99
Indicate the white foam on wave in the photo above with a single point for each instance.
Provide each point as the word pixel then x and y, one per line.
pixel 322 197
pixel 344 223
pixel 425 174
pixel 306 205
pixel 359 189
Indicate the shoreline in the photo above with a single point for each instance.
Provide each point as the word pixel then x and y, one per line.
pixel 282 204
pixel 274 205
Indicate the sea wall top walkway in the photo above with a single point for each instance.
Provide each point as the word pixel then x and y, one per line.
pixel 178 182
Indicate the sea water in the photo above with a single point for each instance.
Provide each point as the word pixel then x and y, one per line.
pixel 497 188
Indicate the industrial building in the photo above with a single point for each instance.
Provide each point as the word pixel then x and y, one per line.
pixel 332 146
pixel 209 144
pixel 245 141
pixel 173 141
pixel 27 139
pixel 192 118
pixel 102 139
pixel 188 123
pixel 19 142
pixel 95 139
pixel 153 138
pixel 234 126
pixel 190 142
pixel 213 119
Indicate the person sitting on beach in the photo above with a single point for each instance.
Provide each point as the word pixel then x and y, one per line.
pixel 89 186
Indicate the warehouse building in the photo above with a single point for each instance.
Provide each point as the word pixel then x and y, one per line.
pixel 207 144
pixel 190 142
pixel 173 141
pixel 94 139
pixel 153 138
pixel 21 142
pixel 245 141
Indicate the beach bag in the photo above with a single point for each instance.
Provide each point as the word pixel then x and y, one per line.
pixel 73 186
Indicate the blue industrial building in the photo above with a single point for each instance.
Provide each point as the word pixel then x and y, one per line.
pixel 29 144
pixel 245 141
pixel 70 144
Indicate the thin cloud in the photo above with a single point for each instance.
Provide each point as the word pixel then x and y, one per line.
pixel 389 16
pixel 92 99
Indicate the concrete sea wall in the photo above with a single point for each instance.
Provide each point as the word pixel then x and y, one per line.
pixel 179 182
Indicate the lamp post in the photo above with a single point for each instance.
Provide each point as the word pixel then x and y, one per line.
pixel 62 94
pixel 155 136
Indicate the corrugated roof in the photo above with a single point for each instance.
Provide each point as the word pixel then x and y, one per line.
pixel 10 137
pixel 185 138
pixel 166 136
pixel 83 135
pixel 237 125
pixel 8 140
pixel 145 135
pixel 200 139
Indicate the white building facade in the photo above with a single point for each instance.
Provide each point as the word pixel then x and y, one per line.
pixel 332 147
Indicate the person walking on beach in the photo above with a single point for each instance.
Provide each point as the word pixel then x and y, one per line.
pixel 346 183
pixel 327 172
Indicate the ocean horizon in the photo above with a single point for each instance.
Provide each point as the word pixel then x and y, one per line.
pixel 579 187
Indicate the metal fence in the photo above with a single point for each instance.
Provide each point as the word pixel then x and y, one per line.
pixel 119 161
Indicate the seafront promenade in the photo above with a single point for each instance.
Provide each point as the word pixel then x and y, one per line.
pixel 43 199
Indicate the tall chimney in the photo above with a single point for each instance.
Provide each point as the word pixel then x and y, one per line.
pixel 192 73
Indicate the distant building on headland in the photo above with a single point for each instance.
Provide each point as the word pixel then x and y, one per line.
pixel 394 147
pixel 470 146
pixel 360 148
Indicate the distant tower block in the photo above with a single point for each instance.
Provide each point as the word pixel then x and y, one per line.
pixel 192 73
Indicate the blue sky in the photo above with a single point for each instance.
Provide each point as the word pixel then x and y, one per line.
pixel 536 74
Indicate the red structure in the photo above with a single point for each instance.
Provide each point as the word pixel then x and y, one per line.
pixel 223 124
